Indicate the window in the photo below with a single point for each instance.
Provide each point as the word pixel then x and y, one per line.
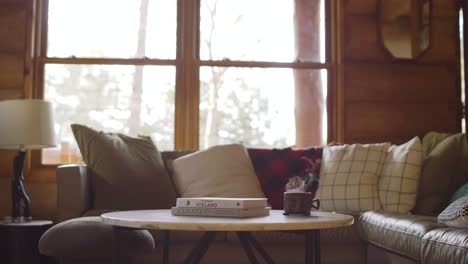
pixel 190 73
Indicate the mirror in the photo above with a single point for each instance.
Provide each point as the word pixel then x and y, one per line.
pixel 405 27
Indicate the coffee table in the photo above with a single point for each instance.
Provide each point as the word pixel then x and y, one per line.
pixel 309 226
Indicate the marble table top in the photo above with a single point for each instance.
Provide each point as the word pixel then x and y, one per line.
pixel 276 221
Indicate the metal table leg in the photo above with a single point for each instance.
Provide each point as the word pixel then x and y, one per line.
pixel 200 249
pixel 115 245
pixel 259 248
pixel 312 247
pixel 166 241
pixel 247 248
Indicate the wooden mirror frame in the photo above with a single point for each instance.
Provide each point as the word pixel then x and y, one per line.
pixel 418 30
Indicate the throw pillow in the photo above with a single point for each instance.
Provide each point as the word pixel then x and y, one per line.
pixel 398 184
pixel 219 171
pixel 349 177
pixel 456 214
pixel 461 192
pixel 127 173
pixel 274 167
pixel 441 176
pixel 431 140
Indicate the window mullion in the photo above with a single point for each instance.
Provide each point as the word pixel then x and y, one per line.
pixel 187 83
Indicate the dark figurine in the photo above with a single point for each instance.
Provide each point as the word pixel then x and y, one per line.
pixel 19 196
pixel 311 180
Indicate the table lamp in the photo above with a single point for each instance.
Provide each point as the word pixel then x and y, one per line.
pixel 24 125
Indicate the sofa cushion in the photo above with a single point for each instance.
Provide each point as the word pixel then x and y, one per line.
pixel 398 184
pixel 441 176
pixel 127 173
pixel 219 171
pixel 349 177
pixel 275 166
pixel 400 233
pixel 445 245
pixel 89 237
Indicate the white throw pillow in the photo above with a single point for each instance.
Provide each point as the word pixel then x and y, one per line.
pixel 220 171
pixel 399 181
pixel 349 177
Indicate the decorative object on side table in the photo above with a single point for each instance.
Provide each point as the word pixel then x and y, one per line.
pixel 25 125
pixel 300 191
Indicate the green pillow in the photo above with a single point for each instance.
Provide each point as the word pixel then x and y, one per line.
pixel 462 191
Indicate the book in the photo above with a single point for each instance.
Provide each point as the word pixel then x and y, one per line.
pixel 220 212
pixel 221 202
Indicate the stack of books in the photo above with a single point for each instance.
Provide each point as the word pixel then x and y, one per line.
pixel 221 207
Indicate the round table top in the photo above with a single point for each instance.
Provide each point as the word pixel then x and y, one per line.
pixel 276 221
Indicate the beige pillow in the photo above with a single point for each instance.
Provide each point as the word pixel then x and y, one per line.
pixel 399 181
pixel 127 173
pixel 442 174
pixel 431 140
pixel 349 177
pixel 223 171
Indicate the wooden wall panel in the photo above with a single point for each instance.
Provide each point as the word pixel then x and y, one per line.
pixel 363 7
pixel 444 45
pixel 444 8
pixel 388 99
pixel 361 39
pixel 400 83
pixel 12 29
pixel 11 71
pixel 395 121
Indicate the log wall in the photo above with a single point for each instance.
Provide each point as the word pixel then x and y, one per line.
pixel 388 99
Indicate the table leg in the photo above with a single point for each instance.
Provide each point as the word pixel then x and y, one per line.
pixel 312 247
pixel 115 245
pixel 166 241
pixel 317 257
pixel 247 249
pixel 200 249
pixel 259 248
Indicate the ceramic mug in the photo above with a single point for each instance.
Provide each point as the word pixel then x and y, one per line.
pixel 299 203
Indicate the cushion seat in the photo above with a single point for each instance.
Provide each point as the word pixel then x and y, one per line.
pixel 400 233
pixel 89 237
pixel 445 245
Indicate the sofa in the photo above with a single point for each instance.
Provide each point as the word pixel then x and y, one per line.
pixel 375 237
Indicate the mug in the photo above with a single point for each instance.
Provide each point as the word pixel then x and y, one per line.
pixel 299 203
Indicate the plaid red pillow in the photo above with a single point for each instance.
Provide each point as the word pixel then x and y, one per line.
pixel 274 167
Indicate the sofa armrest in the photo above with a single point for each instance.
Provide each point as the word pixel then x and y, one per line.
pixel 74 195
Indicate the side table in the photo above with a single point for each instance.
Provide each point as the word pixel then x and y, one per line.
pixel 18 242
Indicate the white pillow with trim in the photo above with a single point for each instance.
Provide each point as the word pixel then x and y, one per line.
pixel 219 171
pixel 398 185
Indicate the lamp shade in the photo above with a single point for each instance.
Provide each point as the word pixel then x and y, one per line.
pixel 26 124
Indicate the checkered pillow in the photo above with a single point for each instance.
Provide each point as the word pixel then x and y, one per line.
pixel 275 166
pixel 399 181
pixel 349 177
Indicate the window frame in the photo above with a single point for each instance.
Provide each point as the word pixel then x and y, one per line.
pixel 187 64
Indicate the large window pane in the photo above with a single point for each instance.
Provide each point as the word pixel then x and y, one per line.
pixel 252 106
pixel 262 30
pixel 127 99
pixel 110 28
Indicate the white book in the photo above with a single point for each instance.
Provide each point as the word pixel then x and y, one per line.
pixel 221 202
pixel 221 212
